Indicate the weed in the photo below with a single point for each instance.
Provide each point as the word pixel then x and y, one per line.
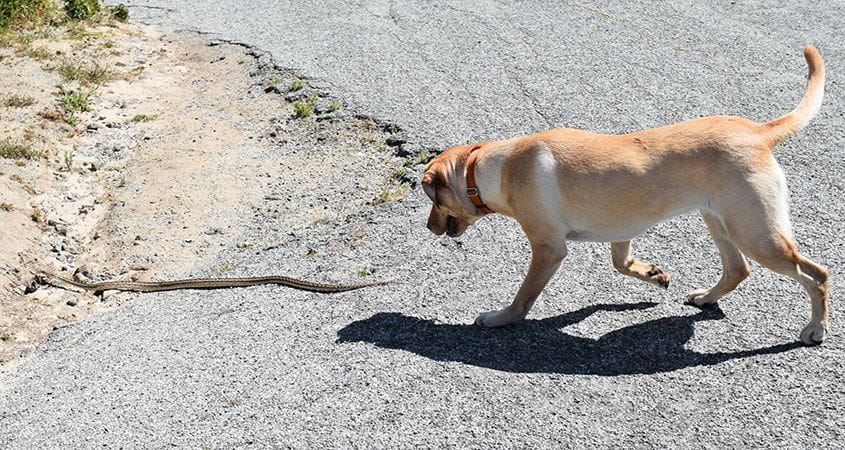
pixel 74 102
pixel 18 101
pixel 6 206
pixel 25 13
pixel 6 336
pixel 38 53
pixel 81 9
pixel 24 185
pixel 11 150
pixel 120 13
pixel 304 108
pixel 96 74
pixel 36 215
pixel 420 158
pixel 365 271
pixel 296 84
pixel 397 173
pixel 392 195
pixel 275 79
pixel 122 181
pixel 334 105
pixel 93 74
pixel 68 160
pixel 140 118
pixel 77 31
pixel 69 71
pixel 367 123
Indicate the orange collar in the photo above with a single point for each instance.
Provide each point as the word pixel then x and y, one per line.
pixel 472 188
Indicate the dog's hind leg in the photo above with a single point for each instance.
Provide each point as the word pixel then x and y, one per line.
pixel 625 264
pixel 735 268
pixel 778 253
pixel 545 260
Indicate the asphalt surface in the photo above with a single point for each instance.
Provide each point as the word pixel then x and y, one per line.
pixel 604 361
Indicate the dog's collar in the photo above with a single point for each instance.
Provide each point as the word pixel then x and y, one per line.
pixel 472 188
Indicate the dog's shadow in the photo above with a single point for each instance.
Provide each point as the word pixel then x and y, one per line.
pixel 540 346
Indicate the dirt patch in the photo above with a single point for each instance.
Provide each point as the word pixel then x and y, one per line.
pixel 182 143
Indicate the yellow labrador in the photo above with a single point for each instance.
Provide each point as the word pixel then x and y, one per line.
pixel 567 184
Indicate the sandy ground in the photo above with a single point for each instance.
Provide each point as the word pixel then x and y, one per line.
pixel 187 141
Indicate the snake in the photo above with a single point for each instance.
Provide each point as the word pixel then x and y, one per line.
pixel 202 283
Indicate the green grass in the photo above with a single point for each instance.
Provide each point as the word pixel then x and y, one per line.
pixel 18 101
pixel 296 84
pixel 120 13
pixel 81 9
pixel 334 105
pixel 304 108
pixel 11 150
pixel 74 102
pixel 26 13
pixel 85 74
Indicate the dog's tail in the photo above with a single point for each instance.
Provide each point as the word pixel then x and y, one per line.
pixel 785 126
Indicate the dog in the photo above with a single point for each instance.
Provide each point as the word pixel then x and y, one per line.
pixel 568 184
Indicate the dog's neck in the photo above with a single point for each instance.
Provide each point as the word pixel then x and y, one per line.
pixel 472 190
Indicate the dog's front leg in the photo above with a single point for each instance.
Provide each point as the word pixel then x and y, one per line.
pixel 545 260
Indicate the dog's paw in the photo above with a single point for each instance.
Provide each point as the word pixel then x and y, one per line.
pixel 658 276
pixel 496 318
pixel 813 334
pixel 700 298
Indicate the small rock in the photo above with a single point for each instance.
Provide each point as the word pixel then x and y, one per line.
pixel 71 302
pixel 93 126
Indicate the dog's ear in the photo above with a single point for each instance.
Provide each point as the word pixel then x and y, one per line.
pixel 431 181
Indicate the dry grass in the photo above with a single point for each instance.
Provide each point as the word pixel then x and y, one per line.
pixel 11 150
pixel 18 101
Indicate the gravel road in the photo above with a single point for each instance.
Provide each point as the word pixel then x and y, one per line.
pixel 603 361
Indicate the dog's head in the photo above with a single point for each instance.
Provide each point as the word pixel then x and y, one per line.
pixel 445 184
